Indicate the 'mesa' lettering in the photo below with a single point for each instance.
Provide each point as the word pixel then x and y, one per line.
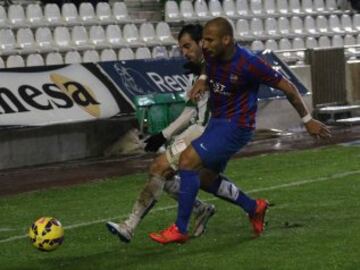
pixel 50 97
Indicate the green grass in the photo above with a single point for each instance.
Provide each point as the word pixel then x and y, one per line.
pixel 313 225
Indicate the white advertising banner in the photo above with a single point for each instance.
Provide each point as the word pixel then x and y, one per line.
pixel 65 94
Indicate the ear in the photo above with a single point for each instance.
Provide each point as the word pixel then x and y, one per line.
pixel 227 40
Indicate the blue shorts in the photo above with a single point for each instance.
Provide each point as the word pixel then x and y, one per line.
pixel 220 140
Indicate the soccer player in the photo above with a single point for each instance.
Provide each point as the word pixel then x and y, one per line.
pixel 232 75
pixel 162 170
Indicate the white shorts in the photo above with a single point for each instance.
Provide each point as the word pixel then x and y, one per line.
pixel 180 143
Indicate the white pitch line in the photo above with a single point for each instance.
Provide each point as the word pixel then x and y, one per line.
pixel 107 219
pixel 6 229
pixel 299 183
pixel 13 238
pixel 293 184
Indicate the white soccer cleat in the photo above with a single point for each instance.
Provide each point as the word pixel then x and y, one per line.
pixel 202 218
pixel 121 230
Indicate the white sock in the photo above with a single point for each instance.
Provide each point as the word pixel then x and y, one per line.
pixel 172 187
pixel 145 202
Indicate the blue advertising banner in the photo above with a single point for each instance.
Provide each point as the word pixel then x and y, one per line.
pixel 266 92
pixel 140 77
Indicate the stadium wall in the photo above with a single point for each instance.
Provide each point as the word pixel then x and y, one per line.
pixel 278 113
pixel 46 144
pixel 33 146
pixel 38 145
pixel 30 146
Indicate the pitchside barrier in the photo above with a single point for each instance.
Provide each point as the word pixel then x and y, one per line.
pixel 328 76
pixel 335 98
pixel 59 113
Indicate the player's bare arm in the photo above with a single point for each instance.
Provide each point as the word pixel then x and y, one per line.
pixel 313 127
pixel 154 142
pixel 293 96
pixel 198 90
pixel 200 86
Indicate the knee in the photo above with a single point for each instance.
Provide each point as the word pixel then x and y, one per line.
pixel 206 184
pixel 155 168
pixel 160 167
pixel 208 179
pixel 186 161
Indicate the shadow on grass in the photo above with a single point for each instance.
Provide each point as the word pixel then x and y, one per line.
pixel 148 256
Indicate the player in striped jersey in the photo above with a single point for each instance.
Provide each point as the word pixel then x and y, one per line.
pixel 233 75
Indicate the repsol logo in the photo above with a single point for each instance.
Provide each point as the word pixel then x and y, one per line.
pixel 169 83
pixel 63 93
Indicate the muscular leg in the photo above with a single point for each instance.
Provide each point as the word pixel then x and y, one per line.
pixel 225 189
pixel 189 165
pixel 158 171
pixel 214 147
pixel 149 195
pixel 202 211
pixel 161 176
pixel 172 188
pixel 220 186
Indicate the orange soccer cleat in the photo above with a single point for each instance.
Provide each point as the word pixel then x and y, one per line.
pixel 258 218
pixel 169 235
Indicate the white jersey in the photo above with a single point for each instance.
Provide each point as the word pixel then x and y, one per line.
pixel 193 113
pixel 194 118
pixel 202 111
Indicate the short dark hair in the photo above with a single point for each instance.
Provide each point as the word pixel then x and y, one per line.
pixel 194 30
pixel 223 25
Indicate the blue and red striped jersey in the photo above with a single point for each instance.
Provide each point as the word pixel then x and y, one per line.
pixel 234 85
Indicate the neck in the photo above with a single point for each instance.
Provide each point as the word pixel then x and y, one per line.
pixel 229 53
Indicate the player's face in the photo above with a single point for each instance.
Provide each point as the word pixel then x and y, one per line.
pixel 213 42
pixel 190 49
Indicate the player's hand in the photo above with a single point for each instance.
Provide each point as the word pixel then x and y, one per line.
pixel 154 142
pixel 198 89
pixel 317 129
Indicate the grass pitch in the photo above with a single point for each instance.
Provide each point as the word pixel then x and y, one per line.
pixel 314 221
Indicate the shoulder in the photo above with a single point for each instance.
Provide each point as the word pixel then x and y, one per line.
pixel 243 58
pixel 243 52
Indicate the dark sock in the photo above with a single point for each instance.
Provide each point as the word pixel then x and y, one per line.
pixel 189 187
pixel 225 189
